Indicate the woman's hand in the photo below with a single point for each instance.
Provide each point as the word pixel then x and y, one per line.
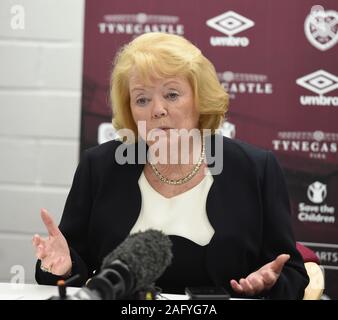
pixel 262 279
pixel 52 251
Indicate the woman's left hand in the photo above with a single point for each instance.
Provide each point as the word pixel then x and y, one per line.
pixel 261 280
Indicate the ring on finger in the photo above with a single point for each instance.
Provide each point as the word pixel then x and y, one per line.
pixel 44 269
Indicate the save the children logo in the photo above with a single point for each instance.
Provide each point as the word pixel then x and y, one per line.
pixel 317 210
pixel 317 192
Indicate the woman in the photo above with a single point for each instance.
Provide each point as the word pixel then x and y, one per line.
pixel 230 226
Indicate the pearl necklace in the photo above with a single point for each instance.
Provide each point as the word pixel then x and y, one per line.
pixel 184 179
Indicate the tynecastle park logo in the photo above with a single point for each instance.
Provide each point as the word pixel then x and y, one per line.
pixel 135 24
pixel 230 23
pixel 320 82
pixel 237 83
pixel 316 144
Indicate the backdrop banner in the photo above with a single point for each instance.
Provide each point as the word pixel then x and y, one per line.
pixel 278 62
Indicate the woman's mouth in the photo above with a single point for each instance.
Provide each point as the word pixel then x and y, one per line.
pixel 163 128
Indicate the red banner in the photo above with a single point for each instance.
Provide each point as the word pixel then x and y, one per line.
pixel 278 62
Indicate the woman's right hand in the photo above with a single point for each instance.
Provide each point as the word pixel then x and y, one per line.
pixel 52 251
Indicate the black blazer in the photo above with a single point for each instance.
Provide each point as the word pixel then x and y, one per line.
pixel 247 205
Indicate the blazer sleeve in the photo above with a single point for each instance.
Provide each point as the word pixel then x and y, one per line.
pixel 74 226
pixel 278 235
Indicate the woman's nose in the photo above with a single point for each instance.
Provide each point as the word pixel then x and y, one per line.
pixel 159 109
pixel 161 114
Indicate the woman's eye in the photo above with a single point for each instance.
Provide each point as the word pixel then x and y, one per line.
pixel 142 101
pixel 172 96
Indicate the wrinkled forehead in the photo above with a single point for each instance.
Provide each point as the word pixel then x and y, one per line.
pixel 138 80
pixel 147 67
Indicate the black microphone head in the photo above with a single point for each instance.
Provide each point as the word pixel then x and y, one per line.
pixel 147 254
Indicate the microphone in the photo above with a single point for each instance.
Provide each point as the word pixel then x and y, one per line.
pixel 134 265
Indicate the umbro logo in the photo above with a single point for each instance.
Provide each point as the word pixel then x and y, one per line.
pixel 230 23
pixel 320 82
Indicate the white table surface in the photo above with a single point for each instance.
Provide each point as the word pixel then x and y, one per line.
pixel 14 291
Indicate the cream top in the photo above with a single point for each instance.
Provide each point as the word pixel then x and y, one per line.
pixel 182 215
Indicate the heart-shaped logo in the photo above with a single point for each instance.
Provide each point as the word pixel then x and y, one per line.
pixel 321 29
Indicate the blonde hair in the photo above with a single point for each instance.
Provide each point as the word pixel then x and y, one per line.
pixel 163 55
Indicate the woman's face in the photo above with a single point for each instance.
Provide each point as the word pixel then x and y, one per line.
pixel 166 103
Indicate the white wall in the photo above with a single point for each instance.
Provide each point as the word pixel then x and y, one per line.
pixel 40 100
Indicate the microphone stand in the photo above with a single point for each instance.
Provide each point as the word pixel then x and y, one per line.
pixel 62 288
pixel 149 293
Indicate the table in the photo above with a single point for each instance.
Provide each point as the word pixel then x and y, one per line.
pixel 15 291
